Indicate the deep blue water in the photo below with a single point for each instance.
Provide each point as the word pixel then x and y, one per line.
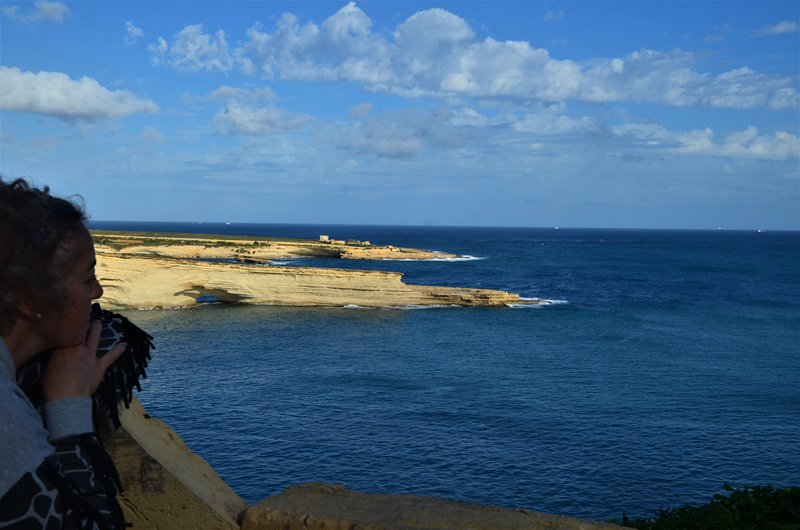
pixel 672 367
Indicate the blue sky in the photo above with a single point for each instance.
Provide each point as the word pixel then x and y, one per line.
pixel 586 114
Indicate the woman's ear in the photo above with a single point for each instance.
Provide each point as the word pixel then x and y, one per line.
pixel 26 307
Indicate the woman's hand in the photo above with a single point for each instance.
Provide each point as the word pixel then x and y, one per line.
pixel 76 371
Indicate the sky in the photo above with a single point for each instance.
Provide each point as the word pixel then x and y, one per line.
pixel 648 114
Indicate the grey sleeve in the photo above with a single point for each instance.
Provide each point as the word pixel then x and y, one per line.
pixel 23 438
pixel 66 417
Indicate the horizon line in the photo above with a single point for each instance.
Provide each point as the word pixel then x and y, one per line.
pixel 760 229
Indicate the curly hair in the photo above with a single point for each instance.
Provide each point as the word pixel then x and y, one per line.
pixel 36 235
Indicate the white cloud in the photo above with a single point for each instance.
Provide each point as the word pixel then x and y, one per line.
pixel 547 124
pixel 696 142
pixel 467 116
pixel 50 12
pixel 511 69
pixel 436 53
pixel 669 78
pixel 398 135
pixel 244 115
pixel 55 94
pixel 133 34
pixel 151 135
pixel 361 110
pixel 158 49
pixel 226 92
pixel 748 143
pixel 11 11
pixel 721 34
pixel 193 50
pixel 433 52
pixel 553 15
pixel 240 119
pixel 786 26
pixel 783 98
pixel 54 12
pixel 431 32
pixel 371 137
pixel 342 48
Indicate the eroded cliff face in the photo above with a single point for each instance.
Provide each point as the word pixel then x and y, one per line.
pixel 166 485
pixel 146 282
pixel 172 270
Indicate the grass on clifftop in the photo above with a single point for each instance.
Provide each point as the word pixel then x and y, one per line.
pixel 748 508
pixel 112 237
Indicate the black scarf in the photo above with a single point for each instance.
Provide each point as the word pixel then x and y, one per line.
pixel 121 377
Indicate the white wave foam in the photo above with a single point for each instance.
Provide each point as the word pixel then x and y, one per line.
pixel 461 258
pixel 397 307
pixel 538 302
pixel 465 257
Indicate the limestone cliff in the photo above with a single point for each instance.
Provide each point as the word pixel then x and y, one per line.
pixel 145 282
pixel 166 486
pixel 144 270
pixel 250 247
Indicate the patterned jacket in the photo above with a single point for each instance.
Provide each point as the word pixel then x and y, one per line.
pixel 54 472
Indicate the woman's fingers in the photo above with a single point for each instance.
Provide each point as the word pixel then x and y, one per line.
pixel 77 371
pixel 93 339
pixel 108 359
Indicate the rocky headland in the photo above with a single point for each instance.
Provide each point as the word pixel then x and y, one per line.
pixel 164 271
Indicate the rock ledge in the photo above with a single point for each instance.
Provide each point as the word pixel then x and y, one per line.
pixel 317 506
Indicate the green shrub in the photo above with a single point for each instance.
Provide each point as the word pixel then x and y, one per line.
pixel 748 508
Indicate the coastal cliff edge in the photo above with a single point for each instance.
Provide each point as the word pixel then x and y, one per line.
pixel 181 271
pixel 168 487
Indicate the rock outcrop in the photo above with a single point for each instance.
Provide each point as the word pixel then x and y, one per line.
pixel 140 270
pixel 147 282
pixel 317 506
pixel 250 247
pixel 166 486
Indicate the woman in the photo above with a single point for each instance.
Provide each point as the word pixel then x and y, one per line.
pixel 53 471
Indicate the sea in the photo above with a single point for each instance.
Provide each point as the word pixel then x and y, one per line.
pixel 659 366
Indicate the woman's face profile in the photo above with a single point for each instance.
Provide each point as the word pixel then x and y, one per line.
pixel 69 325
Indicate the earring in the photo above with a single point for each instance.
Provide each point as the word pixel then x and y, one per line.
pixel 37 316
